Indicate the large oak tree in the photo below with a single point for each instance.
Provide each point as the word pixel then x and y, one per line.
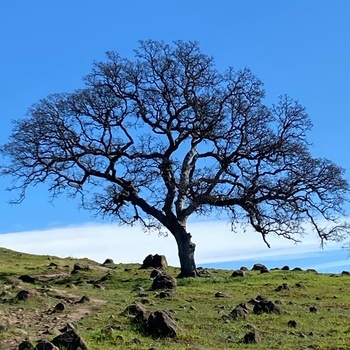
pixel 166 136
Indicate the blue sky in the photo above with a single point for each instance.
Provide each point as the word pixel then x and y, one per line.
pixel 298 47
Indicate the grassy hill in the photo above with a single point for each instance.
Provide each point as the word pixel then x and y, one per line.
pixel 314 308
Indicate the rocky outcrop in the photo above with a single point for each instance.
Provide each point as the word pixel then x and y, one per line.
pixel 156 261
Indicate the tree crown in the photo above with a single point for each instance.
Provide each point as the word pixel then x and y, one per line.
pixel 166 135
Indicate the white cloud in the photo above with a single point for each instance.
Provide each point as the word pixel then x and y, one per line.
pixel 215 243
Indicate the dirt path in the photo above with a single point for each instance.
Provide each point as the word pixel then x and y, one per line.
pixel 43 322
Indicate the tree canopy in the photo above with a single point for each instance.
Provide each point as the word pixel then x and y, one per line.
pixel 166 135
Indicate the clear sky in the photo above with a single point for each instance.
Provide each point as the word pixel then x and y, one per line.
pixel 300 48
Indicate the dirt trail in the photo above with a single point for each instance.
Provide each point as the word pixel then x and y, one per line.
pixel 42 321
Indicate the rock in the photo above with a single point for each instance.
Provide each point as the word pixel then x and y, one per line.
pixel 161 324
pixel 264 270
pixel 259 267
pixel 313 309
pixel 99 286
pixel 243 268
pixel 312 271
pixel 292 323
pixel 221 295
pixel 108 261
pixel 138 312
pixel 264 306
pixel 59 307
pixel 45 345
pixel 27 279
pixel 204 272
pixel 70 340
pixel 297 269
pixel 81 267
pixel 82 300
pixel 164 282
pixel 238 273
pixel 252 337
pixel 225 318
pixel 68 327
pixel 26 295
pixel 155 273
pixel 283 286
pixel 239 312
pixel 26 345
pixel 165 294
pixel 285 268
pixel 53 264
pixel 156 261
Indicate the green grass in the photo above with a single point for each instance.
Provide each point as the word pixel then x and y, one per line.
pixel 194 306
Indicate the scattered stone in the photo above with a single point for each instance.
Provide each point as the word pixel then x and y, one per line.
pixel 45 345
pixel 225 319
pixel 82 300
pixel 70 340
pixel 283 286
pixel 165 294
pixel 164 282
pixel 313 309
pixel 300 284
pixel 155 273
pixel 221 295
pixel 26 295
pixel 108 261
pixel 257 299
pixel 53 265
pixel 243 268
pixel 253 337
pixel 292 323
pixel 204 273
pixel 238 273
pixel 264 306
pixel 27 279
pixel 26 345
pixel 81 267
pixel 52 331
pixel 156 261
pixel 239 312
pixel 285 268
pixel 312 271
pixel 297 269
pixel 161 324
pixel 59 307
pixel 138 312
pixel 99 286
pixel 259 267
pixel 345 273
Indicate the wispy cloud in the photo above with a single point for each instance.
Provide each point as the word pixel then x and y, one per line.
pixel 215 243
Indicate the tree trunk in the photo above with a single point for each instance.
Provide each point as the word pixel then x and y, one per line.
pixel 186 253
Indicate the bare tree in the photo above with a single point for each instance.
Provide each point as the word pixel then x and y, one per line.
pixel 165 136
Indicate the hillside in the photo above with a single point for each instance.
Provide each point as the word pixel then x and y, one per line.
pixel 43 297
